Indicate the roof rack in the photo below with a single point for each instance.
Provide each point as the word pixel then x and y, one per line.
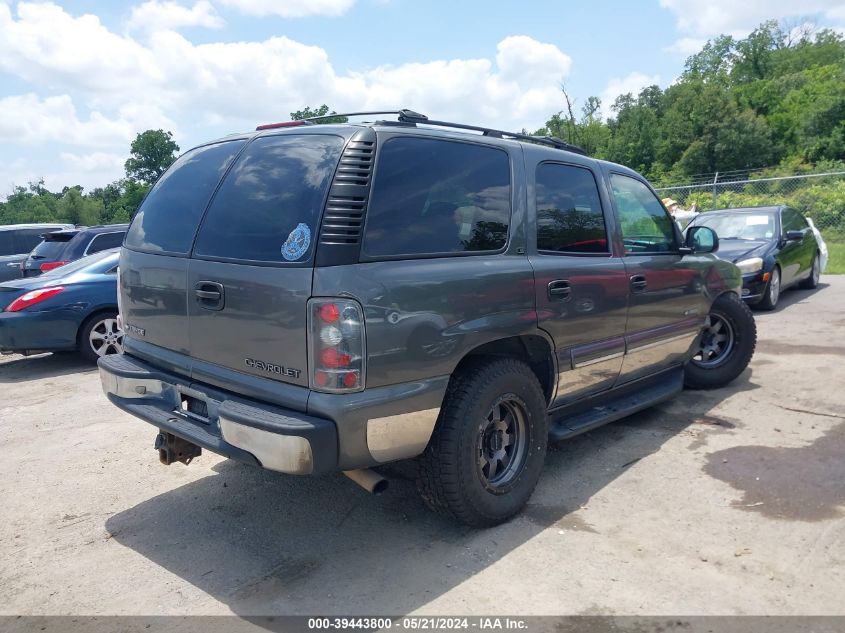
pixel 409 116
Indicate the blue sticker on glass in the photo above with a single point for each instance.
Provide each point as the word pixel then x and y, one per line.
pixel 297 243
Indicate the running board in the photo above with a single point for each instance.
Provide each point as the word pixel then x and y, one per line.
pixel 608 407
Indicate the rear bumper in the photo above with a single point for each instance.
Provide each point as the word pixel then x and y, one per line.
pixel 268 436
pixel 339 432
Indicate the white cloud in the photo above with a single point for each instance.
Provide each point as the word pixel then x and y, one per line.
pixel 703 19
pixel 95 162
pixel 247 82
pixel 686 46
pixel 633 83
pixel 155 15
pixel 29 120
pixel 100 88
pixel 49 47
pixel 706 18
pixel 291 8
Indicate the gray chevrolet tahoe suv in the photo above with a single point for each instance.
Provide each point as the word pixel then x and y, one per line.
pixel 310 298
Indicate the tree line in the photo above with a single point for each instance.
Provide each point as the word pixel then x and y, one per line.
pixel 151 153
pixel 774 98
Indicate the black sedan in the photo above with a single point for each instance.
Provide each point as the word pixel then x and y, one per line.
pixel 774 247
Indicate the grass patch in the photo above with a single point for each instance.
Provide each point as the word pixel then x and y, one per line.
pixel 836 261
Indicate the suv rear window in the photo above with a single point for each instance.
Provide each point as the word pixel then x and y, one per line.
pixel 52 247
pixel 438 197
pixel 168 218
pixel 270 202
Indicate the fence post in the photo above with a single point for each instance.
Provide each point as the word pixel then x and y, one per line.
pixel 715 180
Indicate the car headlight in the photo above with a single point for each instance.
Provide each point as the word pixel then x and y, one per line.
pixel 751 265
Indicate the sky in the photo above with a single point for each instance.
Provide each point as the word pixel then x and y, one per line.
pixel 79 79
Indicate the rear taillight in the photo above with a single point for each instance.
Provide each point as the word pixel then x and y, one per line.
pixel 33 297
pixel 51 266
pixel 336 345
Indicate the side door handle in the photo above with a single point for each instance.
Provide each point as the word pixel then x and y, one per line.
pixel 210 295
pixel 638 283
pixel 559 289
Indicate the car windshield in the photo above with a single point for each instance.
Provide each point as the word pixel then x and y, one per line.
pixel 740 226
pixel 94 262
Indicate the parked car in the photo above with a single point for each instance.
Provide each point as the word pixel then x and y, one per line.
pixel 774 247
pixel 16 241
pixel 310 298
pixel 69 308
pixel 62 247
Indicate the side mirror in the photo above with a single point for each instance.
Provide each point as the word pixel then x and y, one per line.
pixel 701 239
pixel 794 236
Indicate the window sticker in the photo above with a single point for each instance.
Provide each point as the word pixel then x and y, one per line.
pixel 297 243
pixel 753 220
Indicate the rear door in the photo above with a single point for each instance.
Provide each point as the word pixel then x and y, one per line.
pixel 249 277
pixel 154 262
pixel 581 287
pixel 667 304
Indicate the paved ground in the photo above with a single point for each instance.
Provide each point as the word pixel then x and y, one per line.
pixel 723 502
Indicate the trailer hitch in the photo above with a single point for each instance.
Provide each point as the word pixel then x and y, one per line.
pixel 174 449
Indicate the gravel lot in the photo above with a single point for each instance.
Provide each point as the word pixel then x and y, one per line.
pixel 721 502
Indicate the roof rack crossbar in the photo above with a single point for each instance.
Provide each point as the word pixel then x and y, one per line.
pixel 409 116
pixel 399 113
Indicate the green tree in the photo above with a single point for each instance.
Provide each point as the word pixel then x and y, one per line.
pixel 152 152
pixel 323 110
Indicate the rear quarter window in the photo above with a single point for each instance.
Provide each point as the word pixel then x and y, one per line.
pixel 569 211
pixel 168 218
pixel 437 197
pixel 268 206
pixel 104 241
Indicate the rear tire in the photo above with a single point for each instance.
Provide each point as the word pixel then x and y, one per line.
pixel 726 346
pixel 487 451
pixel 771 294
pixel 100 337
pixel 813 280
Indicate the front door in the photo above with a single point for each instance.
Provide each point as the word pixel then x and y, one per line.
pixel 581 287
pixel 796 256
pixel 667 304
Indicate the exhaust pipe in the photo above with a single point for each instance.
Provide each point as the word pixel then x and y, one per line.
pixel 368 479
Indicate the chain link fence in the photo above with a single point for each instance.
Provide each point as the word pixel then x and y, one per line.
pixel 819 196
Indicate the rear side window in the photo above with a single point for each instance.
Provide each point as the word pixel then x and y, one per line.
pixel 646 226
pixel 569 213
pixel 438 197
pixel 269 205
pixel 105 240
pixel 168 218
